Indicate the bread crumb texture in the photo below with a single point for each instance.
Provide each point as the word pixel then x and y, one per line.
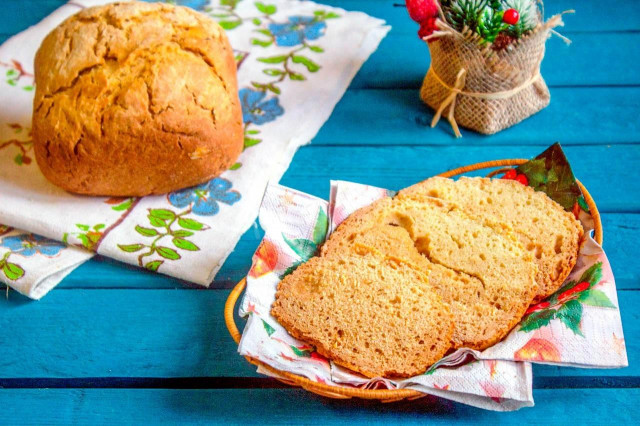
pixel 471 264
pixel 135 99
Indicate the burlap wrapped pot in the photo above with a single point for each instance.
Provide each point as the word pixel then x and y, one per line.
pixel 482 89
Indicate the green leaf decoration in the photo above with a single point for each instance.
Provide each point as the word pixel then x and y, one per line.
pixel 131 248
pixel 12 271
pixel 229 25
pixel 98 226
pixel 162 214
pixel 146 232
pixel 538 319
pixel 249 142
pixel 11 72
pixel 593 275
pixel 82 227
pixel 27 88
pixel 253 132
pixel 273 59
pixel 257 42
pixel 123 206
pixel 183 244
pixel 192 224
pixel 236 166
pixel 264 31
pixel 273 88
pixel 290 269
pixel 154 265
pixel 551 173
pixel 168 253
pixel 65 238
pixel 302 353
pixel 266 9
pixel 594 297
pixel 182 233
pixel 256 21
pixel 331 15
pixel 158 223
pixel 11 82
pixel 84 240
pixel 311 66
pixel 268 328
pixel 570 314
pixel 296 76
pixel 320 230
pixel 302 247
pixel 272 71
pixel 18 159
pixel 316 49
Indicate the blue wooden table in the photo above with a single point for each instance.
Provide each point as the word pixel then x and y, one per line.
pixel 113 343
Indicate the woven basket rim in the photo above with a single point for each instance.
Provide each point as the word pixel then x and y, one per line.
pixel 384 395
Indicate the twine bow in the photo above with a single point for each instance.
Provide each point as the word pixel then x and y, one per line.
pixel 450 100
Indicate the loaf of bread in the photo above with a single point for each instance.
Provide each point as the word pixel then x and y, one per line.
pixel 371 313
pixel 551 234
pixel 467 262
pixel 135 99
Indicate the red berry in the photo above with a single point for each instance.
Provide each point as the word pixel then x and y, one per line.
pixel 511 174
pixel 421 10
pixel 510 16
pixel 522 179
pixel 538 307
pixel 427 28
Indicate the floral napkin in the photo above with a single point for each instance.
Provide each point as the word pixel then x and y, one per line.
pixel 293 57
pixel 577 326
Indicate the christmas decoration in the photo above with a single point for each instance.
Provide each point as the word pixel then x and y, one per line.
pixel 485 61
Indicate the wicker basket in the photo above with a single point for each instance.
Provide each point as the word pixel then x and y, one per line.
pixel 384 395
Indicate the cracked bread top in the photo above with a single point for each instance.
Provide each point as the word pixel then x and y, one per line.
pixel 135 99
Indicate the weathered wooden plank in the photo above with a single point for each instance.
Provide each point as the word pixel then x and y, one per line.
pixel 171 333
pixel 389 117
pixel 289 406
pixel 402 60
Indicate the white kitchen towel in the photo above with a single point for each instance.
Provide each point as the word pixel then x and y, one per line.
pixel 295 60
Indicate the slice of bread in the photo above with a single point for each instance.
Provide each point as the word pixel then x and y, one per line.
pixel 437 237
pixel 551 234
pixel 373 314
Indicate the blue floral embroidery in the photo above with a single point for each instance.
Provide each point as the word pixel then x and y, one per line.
pixel 297 30
pixel 29 244
pixel 205 197
pixel 256 110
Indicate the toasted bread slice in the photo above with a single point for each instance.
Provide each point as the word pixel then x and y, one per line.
pixel 371 313
pixel 551 234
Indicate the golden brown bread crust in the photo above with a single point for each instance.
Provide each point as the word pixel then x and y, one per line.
pixel 135 99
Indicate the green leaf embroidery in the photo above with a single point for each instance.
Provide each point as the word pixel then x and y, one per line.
pixel 296 76
pixel 316 49
pixel 320 230
pixel 183 244
pixel 249 142
pixel 268 328
pixel 147 232
pixel 594 297
pixel 273 88
pixel 154 265
pixel 264 31
pixel 11 82
pixel 27 88
pixel 158 223
pixel 168 253
pixel 253 132
pixel 12 271
pixel 82 227
pixel 257 42
pixel 229 25
pixel 11 72
pixel 272 71
pixel 123 206
pixel 331 15
pixel 236 166
pixel 302 247
pixel 192 224
pixel 99 226
pixel 266 9
pixel 162 214
pixel 570 314
pixel 593 275
pixel 131 248
pixel 311 66
pixel 182 233
pixel 538 319
pixel 273 59
pixel 256 21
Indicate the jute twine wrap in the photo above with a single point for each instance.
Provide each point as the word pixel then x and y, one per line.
pixel 482 89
